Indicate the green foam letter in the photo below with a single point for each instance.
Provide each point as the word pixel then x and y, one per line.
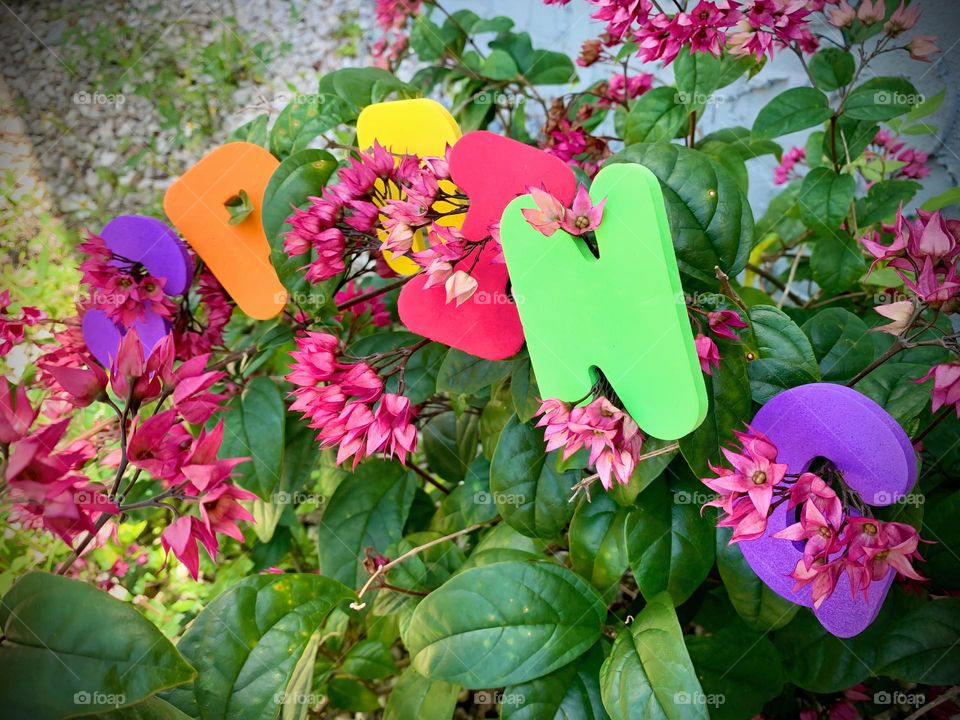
pixel 623 312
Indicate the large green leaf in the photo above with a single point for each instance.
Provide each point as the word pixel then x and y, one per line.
pixel 785 356
pixel 740 670
pixel 891 386
pixel 924 645
pixel 881 98
pixel 569 693
pixel 841 341
pixel 450 444
pixel 696 75
pixel 464 374
pixel 298 177
pixel 883 199
pixel 415 696
pixel 597 549
pixel 529 491
pixel 150 709
pixel 759 606
pixel 503 624
pixel 710 218
pixel 832 68
pixel 368 509
pixel 795 109
pixel 648 674
pixel 655 117
pixel 69 648
pixel 247 643
pixel 837 261
pixel 670 545
pixel 254 428
pixel 825 199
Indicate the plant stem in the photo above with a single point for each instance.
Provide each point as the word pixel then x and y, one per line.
pixel 936 420
pixel 426 476
pixel 370 295
pixel 384 569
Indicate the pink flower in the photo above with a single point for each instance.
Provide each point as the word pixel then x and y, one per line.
pixel 392 431
pixel 361 381
pixel 460 286
pixel 921 47
pixel 819 535
pixel 662 37
pixel 349 431
pixel 182 536
pixel 903 19
pixel 584 216
pixel 899 312
pixel 810 488
pixel 16 414
pixel 548 214
pixel 790 159
pixel 201 466
pixel 755 473
pixel 722 323
pixel 707 352
pixel 821 574
pixel 620 15
pixel 379 315
pixel 220 511
pixel 12 328
pixel 871 12
pixel 620 89
pixel 843 15
pixel 946 385
pixel 84 385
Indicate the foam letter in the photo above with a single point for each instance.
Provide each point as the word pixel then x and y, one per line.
pixel 623 312
pixel 238 255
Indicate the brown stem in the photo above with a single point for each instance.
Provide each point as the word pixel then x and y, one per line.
pixel 937 419
pixel 370 295
pixel 773 280
pixel 426 476
pixel 727 289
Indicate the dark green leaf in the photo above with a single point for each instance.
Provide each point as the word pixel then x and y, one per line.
pixel 786 358
pixel 530 494
pixel 696 75
pixel 369 660
pixel 892 387
pixel 596 537
pixel 837 261
pixel 254 428
pixel 498 65
pixel 832 68
pixel 924 645
pixel 368 509
pixel 352 695
pixel 881 98
pixel 464 374
pixel 450 444
pixel 795 109
pixel 883 199
pixel 254 131
pixel 670 545
pixel 825 199
pixel 415 696
pixel 504 623
pixel 571 692
pixel 70 648
pixel 655 117
pixel 523 387
pixel 710 218
pixel 299 176
pixel 648 674
pixel 841 342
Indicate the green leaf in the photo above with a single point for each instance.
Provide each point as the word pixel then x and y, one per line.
pixel 531 495
pixel 655 117
pixel 944 199
pixel 469 503
pixel 247 643
pixel 465 374
pixel 881 98
pixel 696 75
pixel 670 545
pixel 837 262
pixel 573 691
pixel 254 428
pixel 368 509
pixel 150 709
pixel 300 122
pixel 450 444
pixel 825 199
pixel 924 645
pixel 369 660
pixel 852 138
pixel 69 648
pixel 739 670
pixel 415 696
pixel 523 388
pixel 539 67
pixel 710 217
pixel 645 472
pixel 499 66
pixel 759 606
pixel 648 673
pixel 842 343
pixel 832 68
pixel 503 624
pixel 738 140
pixel 352 695
pixel 940 525
pixel 785 359
pixel 891 386
pixel 728 388
pixel 883 199
pixel 298 177
pixel 254 131
pixel 596 538
pixel 795 109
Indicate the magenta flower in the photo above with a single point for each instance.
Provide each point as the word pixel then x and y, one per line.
pixel 392 431
pixel 549 213
pixel 16 414
pixel 707 352
pixel 182 537
pixel 820 536
pixel 220 510
pixel 946 385
pixel 583 216
pixel 723 322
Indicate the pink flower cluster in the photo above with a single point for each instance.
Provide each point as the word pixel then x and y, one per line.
pixel 346 402
pixel 890 150
pixel 12 328
pixel 793 156
pixel 620 88
pixel 835 540
pixel 119 287
pixel 551 215
pixel 721 323
pixel 946 385
pixel 195 336
pixel 379 315
pixel 924 253
pixel 767 24
pixel 392 18
pixel 609 434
